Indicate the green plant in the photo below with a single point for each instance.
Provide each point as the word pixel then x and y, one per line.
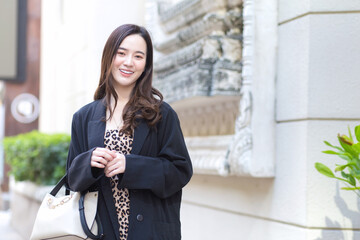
pixel 350 170
pixel 37 157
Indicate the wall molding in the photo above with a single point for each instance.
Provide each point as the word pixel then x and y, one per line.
pixel 209 154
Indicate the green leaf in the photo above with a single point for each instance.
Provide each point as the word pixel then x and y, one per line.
pixel 356 147
pixel 356 174
pixel 345 139
pixel 346 156
pixel 352 180
pixel 357 133
pixel 341 179
pixel 350 135
pixel 338 148
pixel 331 152
pixel 324 170
pixel 342 167
pixel 344 175
pixel 347 145
pixel 351 189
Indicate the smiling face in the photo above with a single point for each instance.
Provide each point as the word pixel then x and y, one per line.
pixel 129 62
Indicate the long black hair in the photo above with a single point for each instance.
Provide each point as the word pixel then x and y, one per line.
pixel 144 100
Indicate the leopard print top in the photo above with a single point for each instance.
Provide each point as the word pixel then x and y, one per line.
pixel 122 143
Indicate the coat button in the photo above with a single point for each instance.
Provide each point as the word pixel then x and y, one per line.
pixel 139 217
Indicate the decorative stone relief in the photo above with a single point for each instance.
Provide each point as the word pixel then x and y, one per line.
pixel 225 81
pixel 187 11
pixel 168 12
pixel 212 24
pixel 231 49
pixel 194 80
pixel 201 69
pixel 209 155
pixel 247 155
pixel 239 157
pixel 234 3
pixel 212 116
pixel 205 71
pixel 173 17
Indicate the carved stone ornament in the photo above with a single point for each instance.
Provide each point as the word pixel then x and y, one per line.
pixel 201 69
pixel 209 155
pixel 211 24
pixel 239 156
pixel 187 11
pixel 247 156
pixel 211 116
pixel 206 72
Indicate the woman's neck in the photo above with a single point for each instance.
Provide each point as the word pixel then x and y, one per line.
pixel 123 96
pixel 120 103
pixel 123 93
pixel 116 120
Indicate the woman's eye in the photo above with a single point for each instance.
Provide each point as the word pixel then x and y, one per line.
pixel 121 53
pixel 139 57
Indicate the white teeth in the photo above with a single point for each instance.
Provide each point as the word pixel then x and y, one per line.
pixel 127 72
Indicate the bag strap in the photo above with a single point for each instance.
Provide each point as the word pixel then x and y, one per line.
pixel 84 225
pixel 58 186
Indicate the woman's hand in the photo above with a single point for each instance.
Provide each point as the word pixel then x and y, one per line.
pixel 100 157
pixel 116 165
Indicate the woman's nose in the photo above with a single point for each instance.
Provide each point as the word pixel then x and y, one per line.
pixel 128 61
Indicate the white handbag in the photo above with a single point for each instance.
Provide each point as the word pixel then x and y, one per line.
pixel 68 217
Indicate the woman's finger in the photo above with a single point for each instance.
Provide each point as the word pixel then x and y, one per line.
pixel 104 153
pixel 116 166
pixel 100 160
pixel 97 165
pixel 114 172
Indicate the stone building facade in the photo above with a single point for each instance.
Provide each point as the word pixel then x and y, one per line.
pixel 241 75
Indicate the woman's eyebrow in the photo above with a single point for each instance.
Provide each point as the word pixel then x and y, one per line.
pixel 121 48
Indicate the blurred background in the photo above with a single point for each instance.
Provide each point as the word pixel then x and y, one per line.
pixel 258 86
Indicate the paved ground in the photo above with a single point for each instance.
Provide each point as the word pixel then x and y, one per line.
pixel 6 232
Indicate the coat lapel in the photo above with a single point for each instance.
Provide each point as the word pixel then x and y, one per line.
pixel 96 127
pixel 140 133
pixel 96 131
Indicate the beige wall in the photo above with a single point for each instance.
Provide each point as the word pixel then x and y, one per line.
pixel 73 36
pixel 316 89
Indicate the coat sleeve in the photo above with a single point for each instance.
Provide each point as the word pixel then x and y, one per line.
pixel 169 171
pixel 80 175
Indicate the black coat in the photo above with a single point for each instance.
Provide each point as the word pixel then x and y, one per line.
pixel 157 169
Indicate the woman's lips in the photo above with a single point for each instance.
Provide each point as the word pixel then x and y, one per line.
pixel 126 72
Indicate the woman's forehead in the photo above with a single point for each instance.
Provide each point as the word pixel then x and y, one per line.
pixel 134 43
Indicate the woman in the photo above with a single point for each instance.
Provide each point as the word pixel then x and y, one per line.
pixel 129 146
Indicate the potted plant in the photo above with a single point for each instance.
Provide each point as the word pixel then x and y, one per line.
pixel 347 171
pixel 37 162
